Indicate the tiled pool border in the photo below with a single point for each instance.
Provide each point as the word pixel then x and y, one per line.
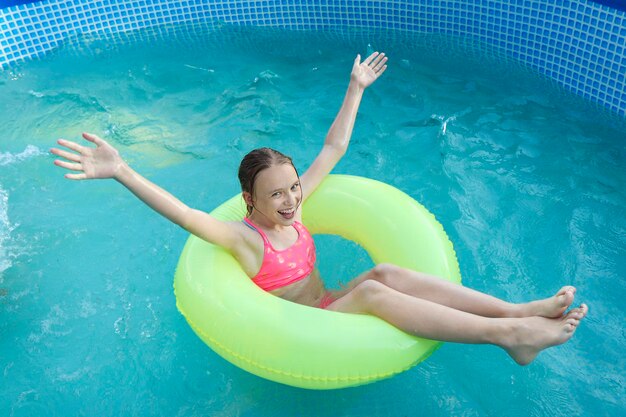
pixel 580 44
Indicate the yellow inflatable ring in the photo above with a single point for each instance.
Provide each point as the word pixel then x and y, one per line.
pixel 304 346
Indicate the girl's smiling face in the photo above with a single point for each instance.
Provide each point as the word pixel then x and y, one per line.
pixel 276 195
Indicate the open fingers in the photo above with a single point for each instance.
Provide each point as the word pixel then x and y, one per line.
pixel 82 176
pixel 67 165
pixel 377 60
pixel 370 58
pixel 379 64
pixel 93 138
pixel 67 155
pixel 71 145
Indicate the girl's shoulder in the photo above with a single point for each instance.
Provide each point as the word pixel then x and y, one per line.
pixel 249 253
pixel 248 233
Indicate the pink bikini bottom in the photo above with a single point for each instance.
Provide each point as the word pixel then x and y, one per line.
pixel 326 300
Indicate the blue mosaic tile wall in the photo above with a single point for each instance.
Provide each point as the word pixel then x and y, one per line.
pixel 579 43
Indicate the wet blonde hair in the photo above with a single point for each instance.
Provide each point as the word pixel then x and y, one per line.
pixel 255 162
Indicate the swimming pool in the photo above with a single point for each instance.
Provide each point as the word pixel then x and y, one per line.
pixel 513 170
pixel 580 44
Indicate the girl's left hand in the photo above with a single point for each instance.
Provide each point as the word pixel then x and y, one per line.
pixel 366 72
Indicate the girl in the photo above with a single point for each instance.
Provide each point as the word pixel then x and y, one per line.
pixel 278 253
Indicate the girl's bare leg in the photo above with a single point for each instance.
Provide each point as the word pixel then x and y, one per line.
pixel 522 338
pixel 456 296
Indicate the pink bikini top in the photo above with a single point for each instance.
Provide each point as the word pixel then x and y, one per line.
pixel 283 267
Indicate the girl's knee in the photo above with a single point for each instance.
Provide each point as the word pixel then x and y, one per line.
pixel 383 273
pixel 369 292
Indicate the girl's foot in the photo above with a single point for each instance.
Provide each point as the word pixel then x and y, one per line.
pixel 552 307
pixel 530 335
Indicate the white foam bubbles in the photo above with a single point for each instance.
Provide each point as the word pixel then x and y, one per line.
pixel 444 121
pixel 36 93
pixel 5 230
pixel 7 158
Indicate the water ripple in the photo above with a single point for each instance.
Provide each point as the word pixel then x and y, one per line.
pixel 8 158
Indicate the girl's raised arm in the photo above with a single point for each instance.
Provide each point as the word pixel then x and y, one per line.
pixel 338 136
pixel 104 161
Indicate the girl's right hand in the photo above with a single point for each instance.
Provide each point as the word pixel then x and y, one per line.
pixel 366 72
pixel 103 161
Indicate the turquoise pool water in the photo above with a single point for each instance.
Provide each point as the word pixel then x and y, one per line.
pixel 527 180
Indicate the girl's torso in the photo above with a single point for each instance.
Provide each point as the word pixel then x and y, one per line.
pixel 307 291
